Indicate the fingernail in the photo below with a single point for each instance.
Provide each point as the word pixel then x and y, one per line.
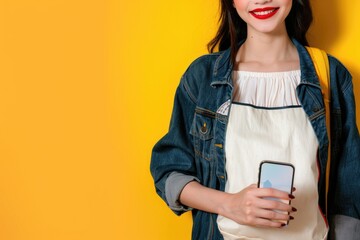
pixel 291 218
pixel 291 196
pixel 283 225
pixel 294 209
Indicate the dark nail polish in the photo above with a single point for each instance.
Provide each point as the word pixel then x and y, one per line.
pixel 283 225
pixel 291 196
pixel 291 218
pixel 294 209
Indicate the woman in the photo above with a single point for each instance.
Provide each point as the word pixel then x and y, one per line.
pixel 259 99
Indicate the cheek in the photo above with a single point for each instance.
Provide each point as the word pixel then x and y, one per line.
pixel 288 9
pixel 288 4
pixel 240 4
pixel 241 7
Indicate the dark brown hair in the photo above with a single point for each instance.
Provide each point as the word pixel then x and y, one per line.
pixel 232 29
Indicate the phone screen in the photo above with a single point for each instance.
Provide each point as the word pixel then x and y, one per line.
pixel 277 175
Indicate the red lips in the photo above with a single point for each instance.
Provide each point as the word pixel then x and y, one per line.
pixel 264 13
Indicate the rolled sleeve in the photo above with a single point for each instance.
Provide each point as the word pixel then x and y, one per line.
pixel 344 227
pixel 175 183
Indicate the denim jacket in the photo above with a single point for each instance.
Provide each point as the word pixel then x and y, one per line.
pixel 193 148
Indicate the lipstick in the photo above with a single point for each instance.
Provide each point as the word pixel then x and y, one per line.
pixel 264 13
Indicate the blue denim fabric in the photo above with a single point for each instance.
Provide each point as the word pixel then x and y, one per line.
pixel 194 145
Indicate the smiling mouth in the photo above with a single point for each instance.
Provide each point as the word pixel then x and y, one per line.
pixel 264 13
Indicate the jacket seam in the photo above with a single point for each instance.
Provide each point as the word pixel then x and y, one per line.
pixel 317 114
pixel 189 93
pixel 205 112
pixel 346 88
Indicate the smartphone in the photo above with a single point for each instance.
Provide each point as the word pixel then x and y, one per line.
pixel 278 175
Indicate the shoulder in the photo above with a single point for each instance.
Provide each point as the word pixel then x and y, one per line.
pixel 340 74
pixel 203 64
pixel 337 65
pixel 202 71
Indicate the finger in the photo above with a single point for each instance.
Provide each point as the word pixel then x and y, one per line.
pixel 273 193
pixel 274 215
pixel 263 222
pixel 275 205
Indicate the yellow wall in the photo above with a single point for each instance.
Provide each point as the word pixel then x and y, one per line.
pixel 86 89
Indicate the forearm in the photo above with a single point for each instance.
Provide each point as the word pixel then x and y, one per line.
pixel 197 196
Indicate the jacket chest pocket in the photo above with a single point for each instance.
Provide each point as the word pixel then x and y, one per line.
pixel 202 130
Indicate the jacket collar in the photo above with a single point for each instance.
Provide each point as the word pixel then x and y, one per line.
pixel 223 67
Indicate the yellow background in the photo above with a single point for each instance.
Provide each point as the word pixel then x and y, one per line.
pixel 86 89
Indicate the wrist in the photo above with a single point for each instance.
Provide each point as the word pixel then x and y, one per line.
pixel 222 206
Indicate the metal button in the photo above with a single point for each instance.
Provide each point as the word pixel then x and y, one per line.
pixel 204 128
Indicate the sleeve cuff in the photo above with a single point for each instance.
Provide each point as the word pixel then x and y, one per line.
pixel 173 187
pixel 344 227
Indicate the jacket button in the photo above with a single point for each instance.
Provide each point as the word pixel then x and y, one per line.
pixel 203 128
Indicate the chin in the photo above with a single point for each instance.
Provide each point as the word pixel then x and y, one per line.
pixel 268 29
